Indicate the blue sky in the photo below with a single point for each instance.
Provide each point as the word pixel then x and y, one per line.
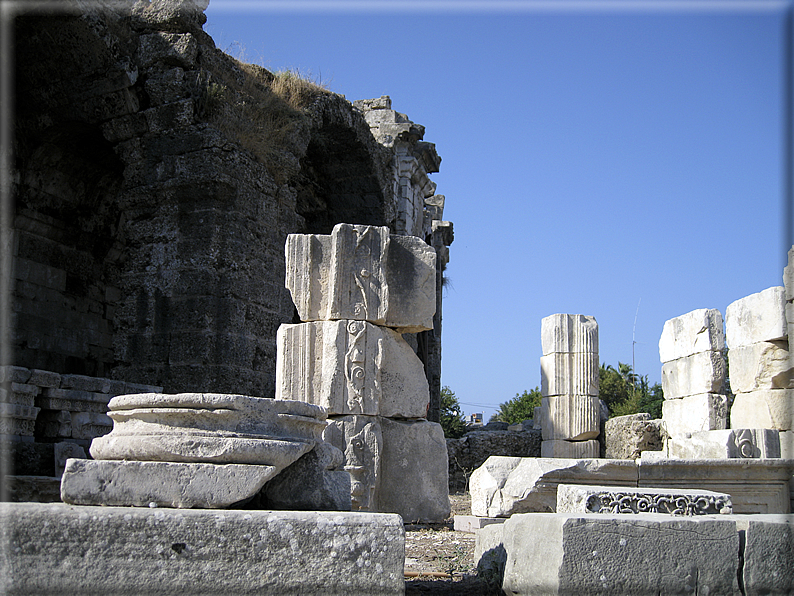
pixel 622 160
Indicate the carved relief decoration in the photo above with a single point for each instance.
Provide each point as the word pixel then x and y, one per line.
pixel 617 502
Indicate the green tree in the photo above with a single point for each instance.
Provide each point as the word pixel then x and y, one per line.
pixel 520 408
pixel 626 392
pixel 451 417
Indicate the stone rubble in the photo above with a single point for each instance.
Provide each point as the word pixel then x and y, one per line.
pixel 357 290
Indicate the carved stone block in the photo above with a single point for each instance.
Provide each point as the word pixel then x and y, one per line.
pixel 697 331
pixel 570 417
pixel 767 408
pixel 572 498
pixel 788 277
pixel 757 317
pixel 363 273
pixel 570 449
pixel 683 416
pixel 700 373
pixel 728 443
pixel 568 333
pixel 350 367
pixel 361 440
pixel 569 373
pixel 762 365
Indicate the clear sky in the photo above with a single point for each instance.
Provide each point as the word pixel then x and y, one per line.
pixel 621 159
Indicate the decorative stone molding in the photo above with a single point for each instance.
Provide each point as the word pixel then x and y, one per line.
pixel 605 499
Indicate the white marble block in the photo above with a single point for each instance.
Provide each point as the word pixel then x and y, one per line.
pixel 577 498
pixel 361 440
pixel 788 277
pixel 692 375
pixel 570 417
pixel 569 373
pixel 350 367
pixel 363 273
pixel 766 408
pixel 762 365
pixel 707 411
pixel 570 449
pixel 757 317
pixel 568 333
pixel 727 443
pixel 697 331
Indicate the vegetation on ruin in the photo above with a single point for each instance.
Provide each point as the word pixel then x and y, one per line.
pixel 451 416
pixel 265 112
pixel 626 392
pixel 520 408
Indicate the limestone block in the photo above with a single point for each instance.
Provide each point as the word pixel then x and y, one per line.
pixel 503 486
pixel 618 554
pixel 727 443
pixel 691 375
pixel 173 49
pixel 755 485
pixel 73 400
pixel 17 420
pixel 570 449
pixel 762 365
pixel 685 415
pixel 59 549
pixel 626 437
pixel 569 373
pixel 576 498
pixel 766 408
pixel 570 417
pixel 44 378
pixel 211 428
pixel 788 276
pixel 697 331
pixel 569 333
pixel 365 274
pixel 166 484
pixel 315 482
pixel 23 394
pixel 471 523
pixel 361 440
pixel 768 554
pixel 14 374
pixel 786 444
pixel 350 367
pixel 64 451
pixel 757 317
pixel 414 468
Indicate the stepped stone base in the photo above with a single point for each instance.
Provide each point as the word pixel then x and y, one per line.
pixel 62 549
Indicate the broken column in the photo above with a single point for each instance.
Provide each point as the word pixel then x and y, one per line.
pixel 357 290
pixel 693 373
pixel 569 386
pixel 761 372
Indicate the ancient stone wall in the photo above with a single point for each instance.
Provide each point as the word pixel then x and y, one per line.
pixel 156 180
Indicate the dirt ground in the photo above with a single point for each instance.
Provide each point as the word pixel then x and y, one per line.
pixel 443 558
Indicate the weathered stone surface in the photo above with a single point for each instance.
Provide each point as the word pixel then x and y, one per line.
pixel 90 425
pixel 697 331
pixel 757 317
pixel 210 427
pixel 614 554
pixel 770 408
pixel 768 554
pixel 570 417
pixel 182 485
pixel 762 365
pixel 755 485
pixel 65 451
pixel 470 451
pixel 568 333
pixel 503 486
pixel 788 276
pixel 685 415
pixel 575 498
pixel 628 436
pixel 363 273
pixel 350 367
pixel 414 469
pixel 786 444
pixel 728 443
pixel 569 373
pixel 361 440
pixel 56 424
pixel 17 420
pixel 212 552
pixel 172 49
pixel 32 489
pixel 691 375
pixel 472 523
pixel 315 482
pixel 570 449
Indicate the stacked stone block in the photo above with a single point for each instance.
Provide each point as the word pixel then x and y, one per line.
pixel 357 290
pixel 760 365
pixel 693 373
pixel 570 407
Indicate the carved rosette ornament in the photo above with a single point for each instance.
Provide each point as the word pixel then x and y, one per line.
pixel 618 502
